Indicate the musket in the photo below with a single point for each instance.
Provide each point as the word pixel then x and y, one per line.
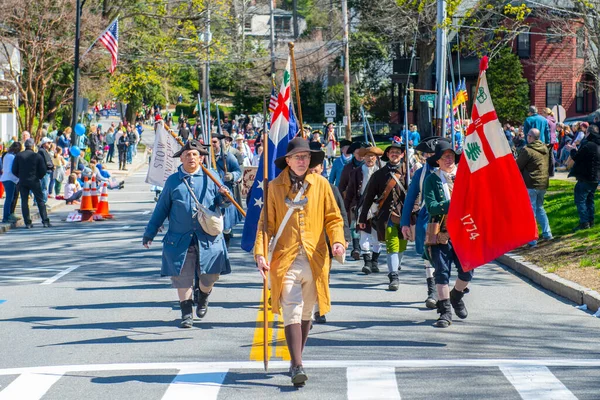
pixel 212 178
pixel 265 230
pixel 291 46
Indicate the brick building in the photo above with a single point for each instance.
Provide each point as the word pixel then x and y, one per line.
pixel 554 63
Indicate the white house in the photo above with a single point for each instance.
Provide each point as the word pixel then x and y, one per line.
pixel 257 24
pixel 9 99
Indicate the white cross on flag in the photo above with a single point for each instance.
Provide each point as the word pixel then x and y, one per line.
pixel 490 212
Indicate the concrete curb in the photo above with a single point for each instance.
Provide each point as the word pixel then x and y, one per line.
pixel 552 282
pixel 55 205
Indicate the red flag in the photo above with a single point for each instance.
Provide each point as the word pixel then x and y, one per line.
pixel 490 212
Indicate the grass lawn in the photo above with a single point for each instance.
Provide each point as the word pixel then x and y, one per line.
pixel 573 256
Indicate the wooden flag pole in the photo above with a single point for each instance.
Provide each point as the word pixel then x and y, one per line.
pixel 265 231
pixel 212 178
pixel 291 45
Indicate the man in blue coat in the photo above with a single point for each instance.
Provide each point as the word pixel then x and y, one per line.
pixel 414 213
pixel 230 172
pixel 339 163
pixel 188 251
pixel 536 121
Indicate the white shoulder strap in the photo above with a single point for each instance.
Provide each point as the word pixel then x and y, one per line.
pixel 284 222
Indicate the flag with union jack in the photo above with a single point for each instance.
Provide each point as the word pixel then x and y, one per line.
pixel 110 40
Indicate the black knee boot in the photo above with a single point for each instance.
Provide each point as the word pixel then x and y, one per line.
pixel 367 268
pixel 431 301
pixel 445 311
pixel 456 298
pixel 202 304
pixel 374 262
pixel 355 249
pixel 187 314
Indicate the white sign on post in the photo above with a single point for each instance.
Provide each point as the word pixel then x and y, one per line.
pixel 329 120
pixel 330 110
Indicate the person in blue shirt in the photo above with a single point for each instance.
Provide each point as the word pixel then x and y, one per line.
pixel 414 213
pixel 414 137
pixel 534 120
pixel 340 162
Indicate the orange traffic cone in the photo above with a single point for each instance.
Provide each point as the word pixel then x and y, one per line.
pixel 102 209
pixel 94 192
pixel 86 210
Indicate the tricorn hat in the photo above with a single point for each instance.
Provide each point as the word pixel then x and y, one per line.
pixel 299 145
pixel 440 148
pixel 345 142
pixel 364 151
pixel 355 146
pixel 394 145
pixel 427 145
pixel 192 145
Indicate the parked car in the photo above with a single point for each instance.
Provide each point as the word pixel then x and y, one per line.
pixel 582 118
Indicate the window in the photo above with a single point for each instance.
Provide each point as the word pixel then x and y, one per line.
pixel 553 94
pixel 580 43
pixel 248 24
pixel 523 45
pixel 579 93
pixel 283 24
pixel 553 36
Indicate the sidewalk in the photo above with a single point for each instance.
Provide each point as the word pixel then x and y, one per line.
pixel 139 161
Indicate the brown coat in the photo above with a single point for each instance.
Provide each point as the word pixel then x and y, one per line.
pixel 306 227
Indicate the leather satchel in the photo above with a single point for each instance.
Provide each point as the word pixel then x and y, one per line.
pixel 434 234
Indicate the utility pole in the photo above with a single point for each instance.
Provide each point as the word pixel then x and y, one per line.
pixel 79 6
pixel 295 17
pixel 440 65
pixel 346 71
pixel 272 23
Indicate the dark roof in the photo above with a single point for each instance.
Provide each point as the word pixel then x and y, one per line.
pixel 264 10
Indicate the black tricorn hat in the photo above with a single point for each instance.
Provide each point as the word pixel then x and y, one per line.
pixel 299 145
pixel 427 145
pixel 345 142
pixel 394 145
pixel 221 137
pixel 192 145
pixel 440 148
pixel 355 146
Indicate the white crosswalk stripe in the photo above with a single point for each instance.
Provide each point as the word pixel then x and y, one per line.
pixel 372 383
pixel 196 383
pixel 30 386
pixel 536 383
pixel 365 379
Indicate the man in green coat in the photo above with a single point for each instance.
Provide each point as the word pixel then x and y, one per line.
pixel 534 164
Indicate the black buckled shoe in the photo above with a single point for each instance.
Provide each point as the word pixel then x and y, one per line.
pixel 319 319
pixel 445 310
pixel 394 281
pixel 368 263
pixel 431 301
pixel 375 263
pixel 187 314
pixel 456 299
pixel 202 304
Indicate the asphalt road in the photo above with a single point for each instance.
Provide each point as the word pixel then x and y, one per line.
pixel 84 313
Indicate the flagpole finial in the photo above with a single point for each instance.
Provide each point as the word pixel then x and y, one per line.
pixel 291 45
pixel 483 64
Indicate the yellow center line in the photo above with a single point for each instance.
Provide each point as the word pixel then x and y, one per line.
pixel 281 351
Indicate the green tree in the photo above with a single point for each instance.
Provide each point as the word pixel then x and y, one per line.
pixel 508 88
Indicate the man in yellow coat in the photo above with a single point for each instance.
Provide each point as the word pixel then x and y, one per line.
pixel 299 265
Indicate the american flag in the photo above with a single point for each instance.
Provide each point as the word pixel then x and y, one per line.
pixel 273 101
pixel 110 40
